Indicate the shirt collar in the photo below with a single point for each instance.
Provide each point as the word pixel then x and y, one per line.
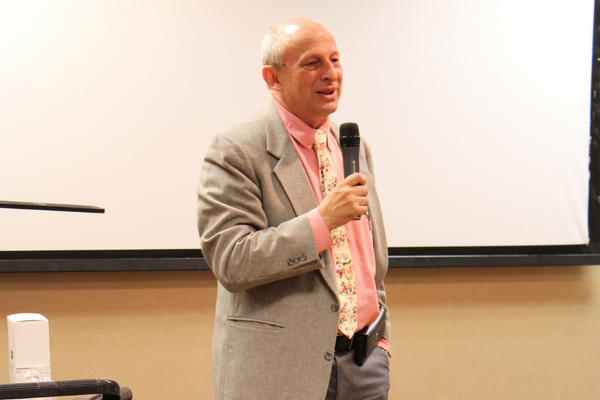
pixel 300 130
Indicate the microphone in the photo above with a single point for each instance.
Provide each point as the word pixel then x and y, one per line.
pixel 125 393
pixel 350 144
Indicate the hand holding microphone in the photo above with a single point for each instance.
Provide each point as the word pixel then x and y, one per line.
pixel 348 200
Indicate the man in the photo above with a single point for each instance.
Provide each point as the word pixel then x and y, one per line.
pixel 283 324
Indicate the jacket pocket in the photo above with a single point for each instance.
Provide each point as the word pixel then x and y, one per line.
pixel 254 323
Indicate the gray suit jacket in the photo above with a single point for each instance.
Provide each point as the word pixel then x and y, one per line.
pixel 276 315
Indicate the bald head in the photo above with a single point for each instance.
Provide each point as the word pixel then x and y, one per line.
pixel 282 34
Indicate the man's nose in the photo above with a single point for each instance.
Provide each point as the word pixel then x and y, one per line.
pixel 329 71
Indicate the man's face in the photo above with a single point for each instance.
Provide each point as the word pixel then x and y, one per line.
pixel 311 81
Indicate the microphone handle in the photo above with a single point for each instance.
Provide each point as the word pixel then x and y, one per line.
pixel 351 163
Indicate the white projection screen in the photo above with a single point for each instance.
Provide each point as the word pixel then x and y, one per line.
pixel 478 114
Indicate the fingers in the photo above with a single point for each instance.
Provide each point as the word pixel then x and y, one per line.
pixel 345 202
pixel 354 179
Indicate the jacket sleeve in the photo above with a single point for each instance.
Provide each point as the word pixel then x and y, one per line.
pixel 249 233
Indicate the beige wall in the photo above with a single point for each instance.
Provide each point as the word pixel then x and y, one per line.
pixel 468 333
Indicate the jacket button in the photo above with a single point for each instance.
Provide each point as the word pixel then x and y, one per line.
pixel 329 356
pixel 303 257
pixel 335 307
pixel 297 259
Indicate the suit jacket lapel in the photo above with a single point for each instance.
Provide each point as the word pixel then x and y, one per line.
pixel 292 176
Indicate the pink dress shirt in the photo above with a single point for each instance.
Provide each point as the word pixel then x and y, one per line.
pixel 358 233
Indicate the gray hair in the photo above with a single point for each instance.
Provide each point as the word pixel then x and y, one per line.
pixel 273 45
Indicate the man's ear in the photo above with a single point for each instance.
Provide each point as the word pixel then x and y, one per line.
pixel 271 77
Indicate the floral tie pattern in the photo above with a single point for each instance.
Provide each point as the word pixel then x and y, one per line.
pixel 344 269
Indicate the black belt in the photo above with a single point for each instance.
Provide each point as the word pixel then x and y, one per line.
pixel 364 341
pixel 342 343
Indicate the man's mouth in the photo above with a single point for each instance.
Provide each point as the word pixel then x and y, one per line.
pixel 326 91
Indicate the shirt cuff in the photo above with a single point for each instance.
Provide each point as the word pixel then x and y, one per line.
pixel 320 231
pixel 384 344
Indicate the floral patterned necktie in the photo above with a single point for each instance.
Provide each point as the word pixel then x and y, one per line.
pixel 344 269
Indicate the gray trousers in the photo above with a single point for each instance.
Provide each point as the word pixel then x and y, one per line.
pixel 348 381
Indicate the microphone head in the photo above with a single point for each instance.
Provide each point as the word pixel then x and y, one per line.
pixel 126 393
pixel 349 135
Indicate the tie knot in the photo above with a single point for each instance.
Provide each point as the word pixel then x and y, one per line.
pixel 320 137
